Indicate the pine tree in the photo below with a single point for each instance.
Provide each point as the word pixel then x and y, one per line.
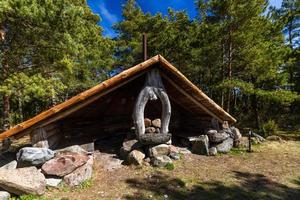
pixel 47 46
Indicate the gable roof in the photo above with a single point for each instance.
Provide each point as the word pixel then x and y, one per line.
pixel 64 109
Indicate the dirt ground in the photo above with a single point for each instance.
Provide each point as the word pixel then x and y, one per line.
pixel 272 171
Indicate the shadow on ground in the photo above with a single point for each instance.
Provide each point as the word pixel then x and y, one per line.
pixel 248 186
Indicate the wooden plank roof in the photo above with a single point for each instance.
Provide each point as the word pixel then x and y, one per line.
pixel 178 80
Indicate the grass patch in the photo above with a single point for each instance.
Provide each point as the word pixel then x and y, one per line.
pixel 170 166
pixel 28 197
pixel 85 184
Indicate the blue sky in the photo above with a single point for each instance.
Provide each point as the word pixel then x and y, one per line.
pixel 110 11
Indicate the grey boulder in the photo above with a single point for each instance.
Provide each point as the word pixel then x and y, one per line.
pixel 53 182
pixel 161 161
pixel 225 146
pixel 4 195
pixel 200 145
pixel 159 150
pixel 127 147
pixel 73 149
pixel 213 151
pixel 217 137
pixel 20 181
pixel 32 156
pixel 135 157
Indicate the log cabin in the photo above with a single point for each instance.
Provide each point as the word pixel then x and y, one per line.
pixel 152 89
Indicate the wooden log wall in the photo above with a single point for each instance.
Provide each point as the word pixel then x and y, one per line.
pixel 51 133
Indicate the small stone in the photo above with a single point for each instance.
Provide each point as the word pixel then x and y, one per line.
pixel 213 151
pixel 9 166
pixel 147 160
pixel 274 138
pixel 53 182
pixel 160 161
pixel 156 123
pixel 157 130
pixel 166 196
pixel 32 156
pixel 4 195
pixel 81 174
pixel 150 130
pixel 73 149
pixel 159 150
pixel 174 156
pixel 27 180
pixel 147 122
pixel 64 164
pixel 184 151
pixel 225 146
pixel 136 157
pixel 127 147
pixel 200 146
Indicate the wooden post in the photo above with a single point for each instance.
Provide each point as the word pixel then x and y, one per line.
pixel 249 140
pixel 152 90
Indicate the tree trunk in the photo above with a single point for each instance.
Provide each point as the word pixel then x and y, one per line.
pixel 229 68
pixel 5 68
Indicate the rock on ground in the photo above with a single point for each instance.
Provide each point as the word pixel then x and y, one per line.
pixel 73 149
pixel 64 164
pixel 53 182
pixel 152 139
pixel 225 146
pixel 213 151
pixel 127 147
pixel 156 123
pixel 20 181
pixel 243 142
pixel 200 145
pixel 150 130
pixel 107 161
pixel 160 161
pixel 9 166
pixel 274 138
pixel 81 174
pixel 32 156
pixel 4 195
pixel 159 150
pixel 174 156
pixel 135 157
pixel 173 149
pixel 217 137
pixel 236 133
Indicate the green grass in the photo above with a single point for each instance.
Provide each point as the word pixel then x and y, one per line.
pixel 170 166
pixel 28 197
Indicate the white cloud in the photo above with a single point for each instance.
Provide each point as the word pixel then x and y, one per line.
pixel 111 18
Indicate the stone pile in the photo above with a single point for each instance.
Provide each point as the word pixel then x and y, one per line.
pixel 152 148
pixel 214 141
pixel 35 168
